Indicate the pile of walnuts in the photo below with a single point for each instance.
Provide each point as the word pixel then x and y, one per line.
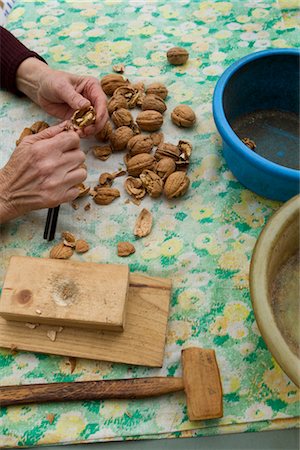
pixel 153 166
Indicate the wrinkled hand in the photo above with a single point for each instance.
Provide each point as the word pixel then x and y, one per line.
pixel 41 173
pixel 60 93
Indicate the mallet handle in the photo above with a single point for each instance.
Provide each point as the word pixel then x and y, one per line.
pixel 89 390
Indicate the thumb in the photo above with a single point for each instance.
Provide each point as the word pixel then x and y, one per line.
pixel 73 98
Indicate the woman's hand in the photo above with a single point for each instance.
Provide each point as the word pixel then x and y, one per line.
pixel 60 93
pixel 41 173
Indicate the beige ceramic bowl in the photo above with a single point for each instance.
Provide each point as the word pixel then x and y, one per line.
pixel 274 287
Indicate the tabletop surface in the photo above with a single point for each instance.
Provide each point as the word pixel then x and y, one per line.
pixel 203 241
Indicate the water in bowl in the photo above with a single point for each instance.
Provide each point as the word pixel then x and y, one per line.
pixel 275 133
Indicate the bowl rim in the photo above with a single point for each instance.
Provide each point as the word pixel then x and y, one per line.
pixel 224 128
pixel 270 332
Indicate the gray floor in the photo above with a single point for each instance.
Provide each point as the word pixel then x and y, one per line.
pixel 268 440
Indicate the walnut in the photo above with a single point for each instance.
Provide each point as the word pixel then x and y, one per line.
pixel 61 251
pixel 157 89
pixel 152 182
pixel 185 149
pixel 167 150
pixel 106 195
pixel 26 132
pixel 177 56
pixel 81 246
pixel 157 138
pixel 83 190
pixel 138 163
pixel 135 187
pixel 83 117
pixel 104 134
pixel 102 152
pixel 125 249
pixel 106 178
pixel 110 83
pixel 149 120
pixel 176 185
pixel 122 118
pixel 183 116
pixel 154 102
pixel 68 239
pixel 140 143
pixel 165 167
pixel 116 102
pixel 143 223
pixel 39 126
pixel 251 144
pixel 120 137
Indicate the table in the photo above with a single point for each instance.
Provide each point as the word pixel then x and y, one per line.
pixel 203 241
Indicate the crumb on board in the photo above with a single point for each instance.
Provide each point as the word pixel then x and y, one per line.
pixel 72 363
pixel 30 325
pixel 51 334
pixel 50 417
pixel 38 311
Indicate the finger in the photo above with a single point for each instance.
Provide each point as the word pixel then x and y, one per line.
pixel 74 177
pixel 73 159
pixel 73 98
pixel 71 194
pixel 65 141
pixel 47 133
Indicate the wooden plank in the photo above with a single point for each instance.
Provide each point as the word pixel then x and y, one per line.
pixel 68 293
pixel 142 341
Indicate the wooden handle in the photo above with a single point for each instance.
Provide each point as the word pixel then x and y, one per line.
pixel 89 390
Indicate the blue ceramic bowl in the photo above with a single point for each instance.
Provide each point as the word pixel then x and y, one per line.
pixel 262 81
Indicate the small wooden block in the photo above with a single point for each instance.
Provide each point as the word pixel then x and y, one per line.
pixel 202 383
pixel 68 293
pixel 142 342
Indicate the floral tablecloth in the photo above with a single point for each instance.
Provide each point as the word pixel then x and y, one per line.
pixel 203 241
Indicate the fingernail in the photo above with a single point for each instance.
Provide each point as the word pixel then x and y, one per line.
pixel 83 103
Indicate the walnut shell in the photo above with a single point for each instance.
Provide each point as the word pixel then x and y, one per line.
pixel 135 187
pixel 104 134
pixel 167 150
pixel 83 190
pixel 157 138
pixel 138 163
pixel 26 132
pixel 251 144
pixel 84 117
pixel 116 102
pixel 149 120
pixel 140 143
pixel 183 116
pixel 68 238
pixel 152 182
pixel 154 102
pixel 120 137
pixel 111 82
pixel 125 248
pixel 122 118
pixel 39 126
pixel 177 56
pixel 106 195
pixel 143 224
pixel 165 167
pixel 102 152
pixel 61 251
pixel 81 246
pixel 157 89
pixel 176 184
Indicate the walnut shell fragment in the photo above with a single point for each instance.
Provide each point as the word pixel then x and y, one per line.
pixel 149 120
pixel 183 116
pixel 157 89
pixel 165 167
pixel 61 251
pixel 125 248
pixel 83 190
pixel 251 144
pixel 84 117
pixel 68 239
pixel 157 138
pixel 104 134
pixel 166 150
pixel 140 143
pixel 176 185
pixel 111 82
pixel 102 152
pixel 152 182
pixel 122 118
pixel 120 137
pixel 35 128
pixel 135 187
pixel 154 102
pixel 143 223
pixel 177 56
pixel 106 195
pixel 138 163
pixel 81 246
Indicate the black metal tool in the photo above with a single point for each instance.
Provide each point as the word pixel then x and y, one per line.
pixel 51 222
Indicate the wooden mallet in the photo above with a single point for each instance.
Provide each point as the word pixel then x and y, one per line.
pixel 200 382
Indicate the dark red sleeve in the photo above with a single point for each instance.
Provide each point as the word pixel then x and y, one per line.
pixel 12 53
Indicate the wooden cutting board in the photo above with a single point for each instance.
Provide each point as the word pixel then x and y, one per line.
pixel 142 342
pixel 68 293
